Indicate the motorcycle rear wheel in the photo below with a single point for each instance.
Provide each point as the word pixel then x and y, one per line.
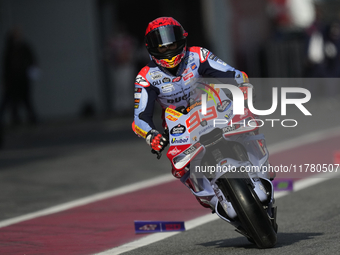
pixel 250 211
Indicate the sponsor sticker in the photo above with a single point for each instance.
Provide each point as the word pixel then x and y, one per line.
pixel 179 140
pixel 155 75
pixel 155 83
pixel 142 227
pixel 221 62
pixel 230 128
pixel 186 71
pixel 192 148
pixel 228 114
pixel 171 118
pixel 140 131
pixel 177 79
pixel 212 57
pixel 166 80
pixel 178 130
pixel 173 112
pixel 138 95
pixel 189 59
pixel 174 151
pixel 205 129
pixel 188 76
pixel 224 106
pixel 167 88
pixel 193 105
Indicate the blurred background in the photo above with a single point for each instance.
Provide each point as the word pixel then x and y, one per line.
pixel 72 66
pixel 84 54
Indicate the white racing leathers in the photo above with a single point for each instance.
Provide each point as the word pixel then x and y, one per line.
pixel 154 83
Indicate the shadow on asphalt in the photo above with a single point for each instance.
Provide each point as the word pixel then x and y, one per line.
pixel 283 239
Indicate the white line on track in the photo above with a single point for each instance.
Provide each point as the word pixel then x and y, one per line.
pixel 277 148
pixel 90 199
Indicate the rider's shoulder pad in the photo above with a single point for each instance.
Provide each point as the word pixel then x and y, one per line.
pixel 202 52
pixel 141 77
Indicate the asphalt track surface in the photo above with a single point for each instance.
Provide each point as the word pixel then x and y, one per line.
pixel 48 165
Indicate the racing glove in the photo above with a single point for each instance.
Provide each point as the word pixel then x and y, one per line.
pixel 241 77
pixel 157 141
pixel 244 87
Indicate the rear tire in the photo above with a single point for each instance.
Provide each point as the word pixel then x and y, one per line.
pixel 250 211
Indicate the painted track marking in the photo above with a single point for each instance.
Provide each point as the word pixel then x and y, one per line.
pixel 274 149
pixel 311 138
pixel 298 185
pixel 90 199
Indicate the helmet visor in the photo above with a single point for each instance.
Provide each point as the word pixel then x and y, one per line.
pixel 164 35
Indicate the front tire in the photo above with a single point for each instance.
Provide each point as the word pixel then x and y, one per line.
pixel 250 211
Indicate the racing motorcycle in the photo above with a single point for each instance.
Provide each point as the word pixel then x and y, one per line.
pixel 224 159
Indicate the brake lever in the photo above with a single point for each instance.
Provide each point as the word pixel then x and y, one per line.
pixel 158 153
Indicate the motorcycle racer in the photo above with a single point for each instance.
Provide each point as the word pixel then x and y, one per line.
pixel 168 77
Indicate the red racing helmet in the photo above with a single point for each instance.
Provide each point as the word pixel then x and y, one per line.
pixel 166 33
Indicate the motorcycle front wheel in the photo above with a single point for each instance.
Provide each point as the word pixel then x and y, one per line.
pixel 250 211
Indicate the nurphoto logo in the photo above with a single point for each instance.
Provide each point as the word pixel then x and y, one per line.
pixel 238 103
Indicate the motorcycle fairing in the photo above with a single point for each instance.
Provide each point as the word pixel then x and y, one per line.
pixel 186 148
